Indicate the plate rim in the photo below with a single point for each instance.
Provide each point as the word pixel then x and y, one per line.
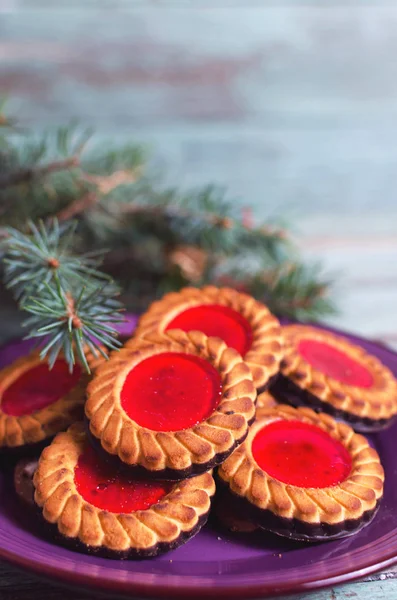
pixel 70 578
pixel 207 587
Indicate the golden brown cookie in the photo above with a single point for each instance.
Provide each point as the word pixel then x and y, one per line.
pixel 330 374
pixel 304 475
pixel 93 508
pixel 243 323
pixel 171 404
pixel 36 403
pixel 265 400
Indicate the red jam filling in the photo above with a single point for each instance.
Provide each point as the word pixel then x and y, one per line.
pixel 171 391
pixel 301 454
pixel 99 484
pixel 39 387
pixel 218 321
pixel 334 363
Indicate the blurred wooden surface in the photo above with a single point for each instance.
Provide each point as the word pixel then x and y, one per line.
pixel 289 104
pixel 18 585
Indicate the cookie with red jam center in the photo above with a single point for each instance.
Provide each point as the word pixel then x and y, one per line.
pixel 36 402
pixel 330 374
pixel 303 475
pixel 240 321
pixel 93 508
pixel 171 405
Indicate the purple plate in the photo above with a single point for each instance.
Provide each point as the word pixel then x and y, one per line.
pixel 214 564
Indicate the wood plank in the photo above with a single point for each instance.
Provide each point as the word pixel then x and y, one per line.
pixel 255 61
pixel 384 590
pixel 365 275
pixel 19 585
pixel 218 108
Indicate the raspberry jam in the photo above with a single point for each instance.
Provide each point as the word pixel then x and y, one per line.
pixel 334 363
pixel 99 484
pixel 218 321
pixel 301 454
pixel 171 391
pixel 39 387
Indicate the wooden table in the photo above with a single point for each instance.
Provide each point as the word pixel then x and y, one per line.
pixel 17 585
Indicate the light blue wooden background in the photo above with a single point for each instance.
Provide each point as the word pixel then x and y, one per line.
pixel 292 105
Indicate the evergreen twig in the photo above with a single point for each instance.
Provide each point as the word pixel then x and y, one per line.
pixel 72 304
pixel 159 239
pixel 29 173
pixel 73 324
pixel 33 259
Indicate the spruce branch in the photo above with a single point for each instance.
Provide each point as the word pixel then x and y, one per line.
pixel 77 207
pixel 295 290
pixel 201 217
pixel 158 238
pixel 29 173
pixel 69 145
pixel 33 259
pixel 103 184
pixel 72 324
pixel 72 304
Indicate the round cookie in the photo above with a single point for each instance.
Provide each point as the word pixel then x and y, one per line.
pixel 36 402
pixel 330 374
pixel 304 476
pixel 170 405
pixel 92 508
pixel 242 322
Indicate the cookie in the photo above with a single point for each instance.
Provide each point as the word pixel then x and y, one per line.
pixel 242 322
pixel 330 374
pixel 90 507
pixel 36 402
pixel 304 476
pixel 171 405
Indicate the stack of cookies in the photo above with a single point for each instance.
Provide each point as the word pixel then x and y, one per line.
pixel 182 409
